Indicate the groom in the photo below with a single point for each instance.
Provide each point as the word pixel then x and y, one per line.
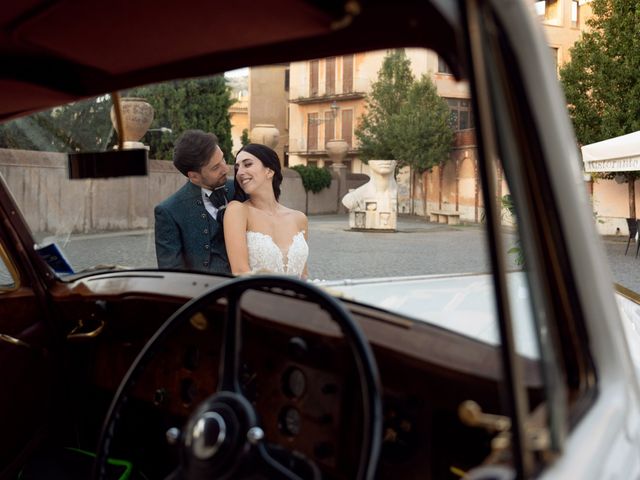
pixel 188 236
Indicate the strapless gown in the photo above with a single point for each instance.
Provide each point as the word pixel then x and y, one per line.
pixel 265 256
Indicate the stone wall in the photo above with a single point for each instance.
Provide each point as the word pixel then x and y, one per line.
pixel 54 204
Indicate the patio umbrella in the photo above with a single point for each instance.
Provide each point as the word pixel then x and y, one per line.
pixel 618 154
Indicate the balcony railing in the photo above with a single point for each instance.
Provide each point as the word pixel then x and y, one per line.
pixel 327 98
pixel 323 152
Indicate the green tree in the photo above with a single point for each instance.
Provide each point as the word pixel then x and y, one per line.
pixel 406 120
pixel 79 126
pixel 314 180
pixel 388 94
pixel 201 103
pixel 244 138
pixel 602 80
pixel 421 130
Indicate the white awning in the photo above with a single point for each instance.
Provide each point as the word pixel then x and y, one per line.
pixel 619 154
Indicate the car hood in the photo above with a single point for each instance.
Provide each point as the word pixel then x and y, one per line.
pixel 463 304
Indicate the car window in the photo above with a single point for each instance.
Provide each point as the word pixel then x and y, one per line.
pixel 397 222
pixel 378 149
pixel 314 114
pixel 8 280
pixel 408 209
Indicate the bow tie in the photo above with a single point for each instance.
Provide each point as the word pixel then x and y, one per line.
pixel 218 197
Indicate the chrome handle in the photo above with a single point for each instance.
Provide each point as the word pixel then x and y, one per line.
pixel 14 341
pixel 75 335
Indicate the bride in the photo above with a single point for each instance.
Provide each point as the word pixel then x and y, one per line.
pixel 260 234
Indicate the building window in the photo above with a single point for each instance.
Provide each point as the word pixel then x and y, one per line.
pixel 313 78
pixel 575 13
pixel 347 73
pixel 329 126
pixel 347 127
pixel 554 57
pixel 286 80
pixel 461 114
pixel 312 131
pixel 552 13
pixel 443 67
pixel 330 76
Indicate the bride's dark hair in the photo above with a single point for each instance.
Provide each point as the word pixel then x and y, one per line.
pixel 269 159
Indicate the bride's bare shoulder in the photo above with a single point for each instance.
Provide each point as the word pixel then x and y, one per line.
pixel 235 205
pixel 300 219
pixel 297 214
pixel 236 209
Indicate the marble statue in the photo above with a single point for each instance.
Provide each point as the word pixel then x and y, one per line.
pixel 374 205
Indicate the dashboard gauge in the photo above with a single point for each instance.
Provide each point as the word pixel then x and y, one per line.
pixel 289 421
pixel 294 383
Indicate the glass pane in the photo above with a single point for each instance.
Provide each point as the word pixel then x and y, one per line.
pixel 464 120
pixel 6 279
pixel 399 227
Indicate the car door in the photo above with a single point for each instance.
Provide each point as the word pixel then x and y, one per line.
pixel 27 357
pixel 590 427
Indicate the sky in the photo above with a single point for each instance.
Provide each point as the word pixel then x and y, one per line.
pixel 240 72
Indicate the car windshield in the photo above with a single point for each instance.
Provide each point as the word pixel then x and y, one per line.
pixel 387 178
pixel 404 206
pixel 307 111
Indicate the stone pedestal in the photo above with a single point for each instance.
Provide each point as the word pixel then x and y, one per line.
pixel 341 171
pixel 374 205
pixel 337 151
pixel 137 116
pixel 265 134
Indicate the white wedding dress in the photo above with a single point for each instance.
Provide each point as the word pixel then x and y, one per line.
pixel 265 256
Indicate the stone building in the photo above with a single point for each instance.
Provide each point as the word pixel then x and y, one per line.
pixel 239 111
pixel 314 101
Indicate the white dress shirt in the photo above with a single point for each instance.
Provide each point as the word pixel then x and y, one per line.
pixel 213 211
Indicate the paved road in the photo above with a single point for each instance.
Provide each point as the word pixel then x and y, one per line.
pixel 417 248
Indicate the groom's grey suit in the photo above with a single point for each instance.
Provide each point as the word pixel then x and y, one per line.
pixel 187 237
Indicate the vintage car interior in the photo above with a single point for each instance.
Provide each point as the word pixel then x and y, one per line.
pixel 118 373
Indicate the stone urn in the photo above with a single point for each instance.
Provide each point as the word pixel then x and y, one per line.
pixel 337 150
pixel 137 116
pixel 266 134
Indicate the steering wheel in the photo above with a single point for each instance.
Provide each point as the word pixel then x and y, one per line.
pixel 222 437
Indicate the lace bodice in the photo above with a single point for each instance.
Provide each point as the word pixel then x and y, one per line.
pixel 266 256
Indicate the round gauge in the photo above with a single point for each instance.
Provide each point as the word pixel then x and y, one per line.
pixel 294 383
pixel 289 421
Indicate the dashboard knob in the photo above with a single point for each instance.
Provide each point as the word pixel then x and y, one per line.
pixel 173 435
pixel 297 348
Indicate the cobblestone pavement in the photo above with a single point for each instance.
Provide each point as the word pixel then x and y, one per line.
pixel 625 269
pixel 417 248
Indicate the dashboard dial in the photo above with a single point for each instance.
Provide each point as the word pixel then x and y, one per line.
pixel 289 421
pixel 294 383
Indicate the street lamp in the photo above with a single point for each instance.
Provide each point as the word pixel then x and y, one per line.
pixel 334 114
